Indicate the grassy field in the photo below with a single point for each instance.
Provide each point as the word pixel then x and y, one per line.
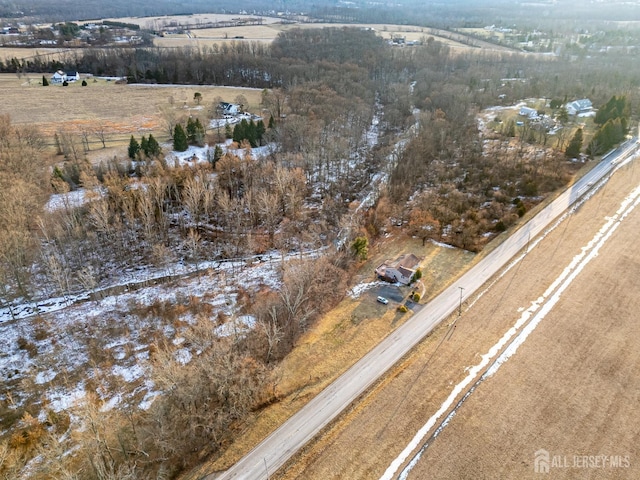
pixel 481 33
pixel 267 33
pixel 569 389
pixel 121 110
pixel 7 53
pixel 158 22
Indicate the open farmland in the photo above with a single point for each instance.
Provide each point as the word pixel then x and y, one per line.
pixel 47 54
pixel 268 32
pixel 159 22
pixel 569 389
pixel 121 110
pixel 572 388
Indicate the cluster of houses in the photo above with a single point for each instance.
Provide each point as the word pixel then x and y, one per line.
pixel 582 107
pixel 61 77
pixel 577 107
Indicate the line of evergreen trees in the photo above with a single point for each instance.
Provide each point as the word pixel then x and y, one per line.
pixel 149 147
pixel 193 134
pixel 251 131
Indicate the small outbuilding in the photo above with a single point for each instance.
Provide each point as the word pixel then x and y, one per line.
pixel 72 76
pixel 528 112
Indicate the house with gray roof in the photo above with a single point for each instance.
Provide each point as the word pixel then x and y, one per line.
pixel 399 270
pixel 578 107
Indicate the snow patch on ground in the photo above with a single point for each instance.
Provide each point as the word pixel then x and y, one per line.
pixel 183 356
pixel 45 377
pixel 63 399
pixel 128 374
pixel 440 244
pixel 71 200
pixel 236 326
pixel 195 154
pixel 359 289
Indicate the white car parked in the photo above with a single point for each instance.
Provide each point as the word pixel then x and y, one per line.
pixel 382 300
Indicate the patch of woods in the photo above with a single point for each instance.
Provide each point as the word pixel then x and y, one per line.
pixel 613 122
pixel 345 111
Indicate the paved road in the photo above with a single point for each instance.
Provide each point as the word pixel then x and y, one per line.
pixel 284 442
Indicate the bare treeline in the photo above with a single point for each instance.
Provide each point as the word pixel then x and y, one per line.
pixel 23 178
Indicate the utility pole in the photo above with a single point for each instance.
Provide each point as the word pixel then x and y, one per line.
pixel 460 306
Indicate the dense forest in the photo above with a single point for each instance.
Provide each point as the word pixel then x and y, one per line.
pixel 326 93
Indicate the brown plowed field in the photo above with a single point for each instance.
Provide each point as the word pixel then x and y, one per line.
pixel 573 388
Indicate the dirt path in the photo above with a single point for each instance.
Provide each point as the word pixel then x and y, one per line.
pixel 367 439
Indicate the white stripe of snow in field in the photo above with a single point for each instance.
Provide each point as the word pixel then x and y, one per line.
pixel 588 253
pixel 605 235
pixel 541 237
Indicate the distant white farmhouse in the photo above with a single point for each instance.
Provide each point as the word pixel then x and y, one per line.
pixel 229 108
pixel 61 77
pixel 578 107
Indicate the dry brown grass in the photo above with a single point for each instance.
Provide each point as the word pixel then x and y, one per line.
pixel 7 53
pixel 569 389
pixel 159 21
pixel 267 33
pixel 122 110
pixel 572 388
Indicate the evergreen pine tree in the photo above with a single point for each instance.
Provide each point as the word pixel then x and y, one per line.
pixel 239 132
pixel 134 148
pixel 144 146
pixel 260 129
pixel 575 145
pixel 191 131
pixel 217 155
pixel 228 132
pixel 180 143
pixel 199 132
pixel 251 134
pixel 45 82
pixel 272 122
pixel 153 146
pixel 56 139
